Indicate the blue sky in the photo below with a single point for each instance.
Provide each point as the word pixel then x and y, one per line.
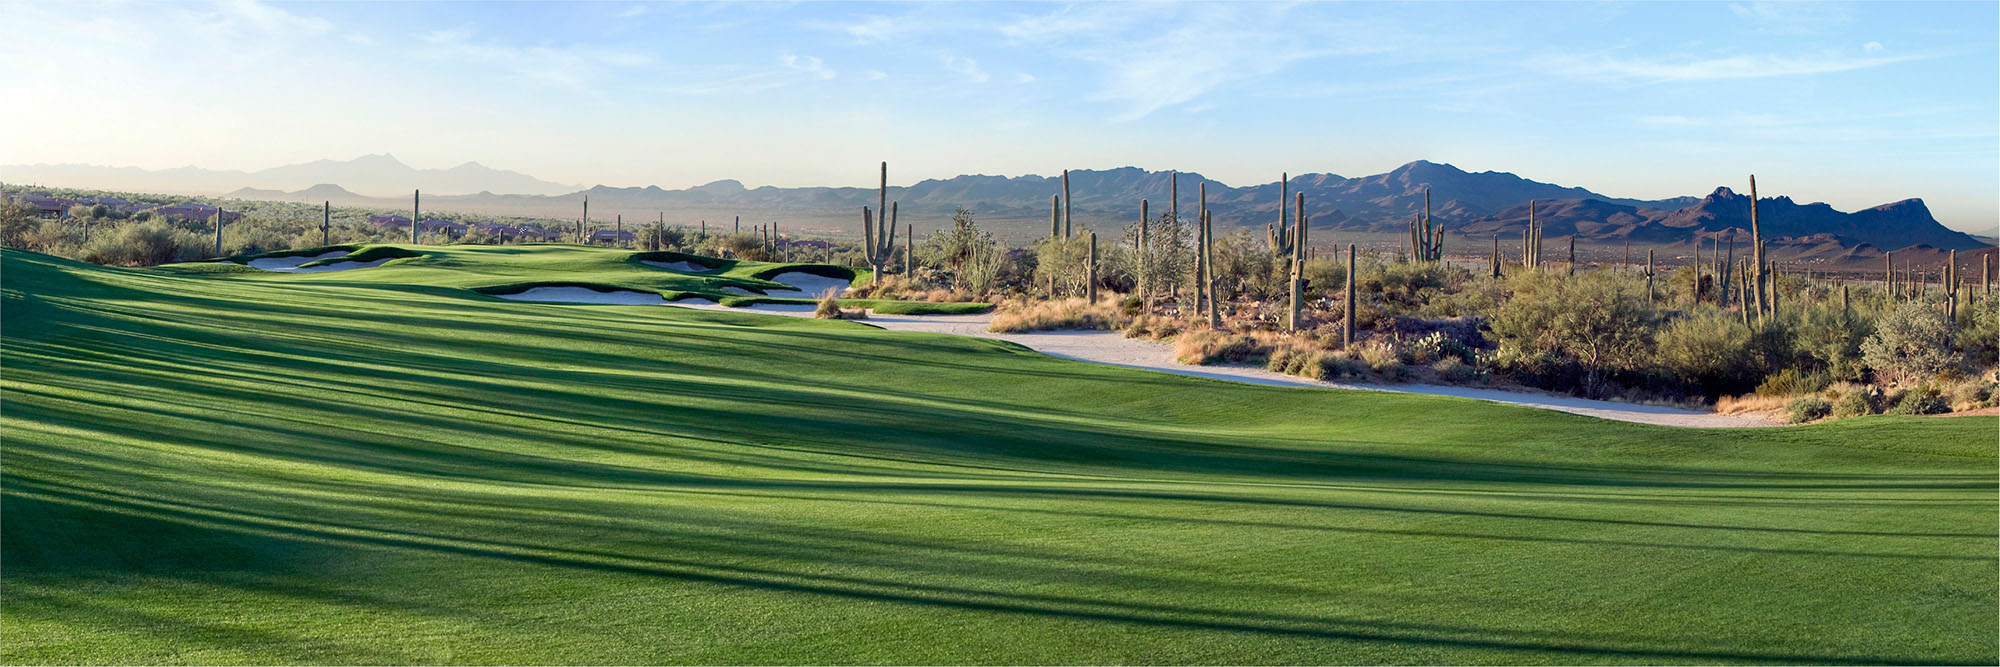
pixel 1852 104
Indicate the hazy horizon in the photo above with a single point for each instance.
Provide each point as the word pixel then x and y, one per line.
pixel 1856 105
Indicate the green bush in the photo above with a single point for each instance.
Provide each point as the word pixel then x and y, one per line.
pixel 1792 382
pixel 1807 409
pixel 1710 350
pixel 1861 401
pixel 1452 371
pixel 1977 393
pixel 1920 401
pixel 1911 343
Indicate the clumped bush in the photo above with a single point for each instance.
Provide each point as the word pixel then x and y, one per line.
pixel 1710 350
pixel 1453 371
pixel 829 308
pixel 1973 394
pixel 1807 408
pixel 1208 346
pixel 1857 401
pixel 142 244
pixel 1594 322
pixel 1912 343
pixel 1924 400
pixel 1067 314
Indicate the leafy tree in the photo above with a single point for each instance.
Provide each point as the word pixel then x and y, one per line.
pixel 1595 321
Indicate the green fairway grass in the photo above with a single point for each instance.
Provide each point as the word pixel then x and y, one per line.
pixel 203 465
pixel 515 268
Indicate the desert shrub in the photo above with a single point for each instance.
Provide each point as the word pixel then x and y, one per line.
pixel 1793 382
pixel 1922 400
pixel 1596 321
pixel 1911 343
pixel 1710 350
pixel 1064 314
pixel 1973 394
pixel 1340 364
pixel 829 308
pixel 1452 370
pixel 1861 400
pixel 142 244
pixel 1979 329
pixel 1832 337
pixel 1207 346
pixel 1807 408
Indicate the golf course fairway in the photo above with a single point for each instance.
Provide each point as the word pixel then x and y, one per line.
pixel 217 464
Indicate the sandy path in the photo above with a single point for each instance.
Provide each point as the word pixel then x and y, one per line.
pixel 1112 347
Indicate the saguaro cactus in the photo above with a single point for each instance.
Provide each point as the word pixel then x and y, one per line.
pixel 1951 287
pixel 909 248
pixel 1201 294
pixel 1090 272
pixel 1066 220
pixel 1145 260
pixel 1572 254
pixel 580 222
pixel 325 221
pixel 878 239
pixel 1757 251
pixel 1347 318
pixel 1496 256
pixel 1649 278
pixel 218 231
pixel 417 213
pixel 1208 267
pixel 1298 281
pixel 1279 236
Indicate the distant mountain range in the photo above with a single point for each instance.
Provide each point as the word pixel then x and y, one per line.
pixel 378 174
pixel 1476 205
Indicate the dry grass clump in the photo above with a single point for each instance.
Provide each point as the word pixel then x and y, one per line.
pixel 1067 314
pixel 829 308
pixel 1750 404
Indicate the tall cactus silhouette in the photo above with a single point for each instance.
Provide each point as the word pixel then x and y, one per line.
pixel 878 238
pixel 1347 317
pixel 417 213
pixel 1090 272
pixel 1066 201
pixel 1757 258
pixel 1298 279
pixel 325 221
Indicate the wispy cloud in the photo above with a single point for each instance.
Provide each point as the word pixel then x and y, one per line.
pixel 1201 49
pixel 571 66
pixel 1713 69
pixel 966 67
pixel 1794 18
pixel 810 65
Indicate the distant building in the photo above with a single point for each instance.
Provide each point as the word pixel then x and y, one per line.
pixel 612 236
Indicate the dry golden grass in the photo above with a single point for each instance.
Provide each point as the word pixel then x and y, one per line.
pixel 1066 314
pixel 1751 404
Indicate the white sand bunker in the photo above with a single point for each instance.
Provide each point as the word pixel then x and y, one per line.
pixel 587 295
pixel 811 284
pixel 683 267
pixel 292 264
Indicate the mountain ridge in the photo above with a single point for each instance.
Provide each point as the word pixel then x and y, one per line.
pixel 1474 204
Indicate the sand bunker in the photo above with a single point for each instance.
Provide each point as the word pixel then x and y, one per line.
pixel 683 267
pixel 586 295
pixel 813 285
pixel 292 264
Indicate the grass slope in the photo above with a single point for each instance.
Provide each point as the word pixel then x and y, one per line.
pixel 514 268
pixel 335 468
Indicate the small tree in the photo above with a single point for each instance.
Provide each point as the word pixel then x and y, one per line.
pixel 1712 350
pixel 1594 320
pixel 1911 343
pixel 954 248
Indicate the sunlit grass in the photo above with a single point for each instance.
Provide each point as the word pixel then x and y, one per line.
pixel 362 467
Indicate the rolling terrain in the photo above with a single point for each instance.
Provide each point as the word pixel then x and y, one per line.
pixel 209 463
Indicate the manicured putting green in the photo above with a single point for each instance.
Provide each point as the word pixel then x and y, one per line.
pixel 369 466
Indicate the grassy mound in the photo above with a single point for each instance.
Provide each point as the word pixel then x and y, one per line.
pixel 374 467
